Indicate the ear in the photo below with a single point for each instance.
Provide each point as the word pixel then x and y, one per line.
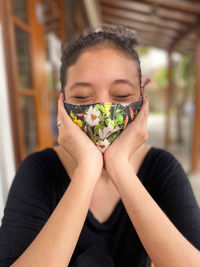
pixel 145 81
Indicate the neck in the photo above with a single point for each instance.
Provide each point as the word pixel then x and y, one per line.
pixel 70 164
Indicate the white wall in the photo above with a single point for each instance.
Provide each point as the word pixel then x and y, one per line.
pixel 7 165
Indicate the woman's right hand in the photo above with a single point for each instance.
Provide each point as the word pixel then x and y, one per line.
pixel 76 142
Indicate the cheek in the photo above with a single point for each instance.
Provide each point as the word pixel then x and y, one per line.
pixel 136 96
pixel 66 94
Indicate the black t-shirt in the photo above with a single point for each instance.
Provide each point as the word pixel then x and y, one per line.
pixel 40 183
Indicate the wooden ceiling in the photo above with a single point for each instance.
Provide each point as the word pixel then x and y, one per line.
pixel 166 24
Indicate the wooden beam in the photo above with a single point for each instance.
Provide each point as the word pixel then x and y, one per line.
pixel 62 28
pixel 142 8
pixel 169 101
pixel 181 37
pixel 143 41
pixel 153 44
pixel 177 16
pixel 147 33
pixel 178 5
pixel 192 36
pixel 8 41
pixel 196 127
pixel 127 5
pixel 139 26
pixel 150 20
pixel 183 49
pixel 187 41
pixel 148 42
pixel 187 45
pixel 162 38
pixel 160 46
pixel 93 14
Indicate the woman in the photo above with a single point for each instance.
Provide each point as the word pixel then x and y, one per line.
pixel 74 205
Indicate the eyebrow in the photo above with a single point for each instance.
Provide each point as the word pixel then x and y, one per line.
pixel 80 84
pixel 123 81
pixel 118 81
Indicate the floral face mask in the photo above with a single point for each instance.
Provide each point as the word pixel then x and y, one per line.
pixel 103 122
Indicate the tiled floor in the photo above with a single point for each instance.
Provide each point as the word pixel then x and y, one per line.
pixel 156 126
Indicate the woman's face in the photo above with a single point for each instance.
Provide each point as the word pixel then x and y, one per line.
pixel 102 75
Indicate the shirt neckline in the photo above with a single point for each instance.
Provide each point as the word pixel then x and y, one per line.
pixel 111 221
pixel 119 207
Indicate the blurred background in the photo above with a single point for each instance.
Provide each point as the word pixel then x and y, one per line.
pixel 31 36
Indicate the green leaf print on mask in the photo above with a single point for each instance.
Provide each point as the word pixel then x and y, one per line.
pixel 103 122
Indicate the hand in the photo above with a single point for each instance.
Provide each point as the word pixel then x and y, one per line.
pixel 75 141
pixel 128 142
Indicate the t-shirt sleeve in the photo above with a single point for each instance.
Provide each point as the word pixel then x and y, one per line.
pixel 26 211
pixel 174 194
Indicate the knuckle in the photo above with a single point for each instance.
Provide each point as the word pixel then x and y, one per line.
pixel 143 135
pixel 59 139
pixel 64 138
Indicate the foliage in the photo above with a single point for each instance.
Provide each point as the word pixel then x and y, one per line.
pixel 160 77
pixel 143 50
pixel 184 71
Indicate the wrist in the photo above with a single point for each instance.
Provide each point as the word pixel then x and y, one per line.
pixel 92 166
pixel 116 168
pixel 85 177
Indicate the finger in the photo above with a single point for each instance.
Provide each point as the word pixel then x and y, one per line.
pixel 62 113
pixel 144 110
pixel 64 116
pixel 140 120
pixel 61 102
pixel 59 114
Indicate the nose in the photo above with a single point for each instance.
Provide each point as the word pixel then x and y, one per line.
pixel 103 97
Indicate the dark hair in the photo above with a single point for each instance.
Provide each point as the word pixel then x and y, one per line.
pixel 118 37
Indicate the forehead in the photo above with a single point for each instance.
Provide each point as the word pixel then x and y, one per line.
pixel 98 63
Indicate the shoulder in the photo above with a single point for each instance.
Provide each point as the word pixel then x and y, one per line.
pixel 165 178
pixel 160 153
pixel 40 160
pixel 161 168
pixel 36 170
pixel 42 156
pixel 162 158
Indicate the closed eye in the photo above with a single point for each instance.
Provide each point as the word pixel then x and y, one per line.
pixel 122 96
pixel 81 97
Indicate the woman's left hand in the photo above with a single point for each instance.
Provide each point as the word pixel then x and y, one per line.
pixel 127 143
